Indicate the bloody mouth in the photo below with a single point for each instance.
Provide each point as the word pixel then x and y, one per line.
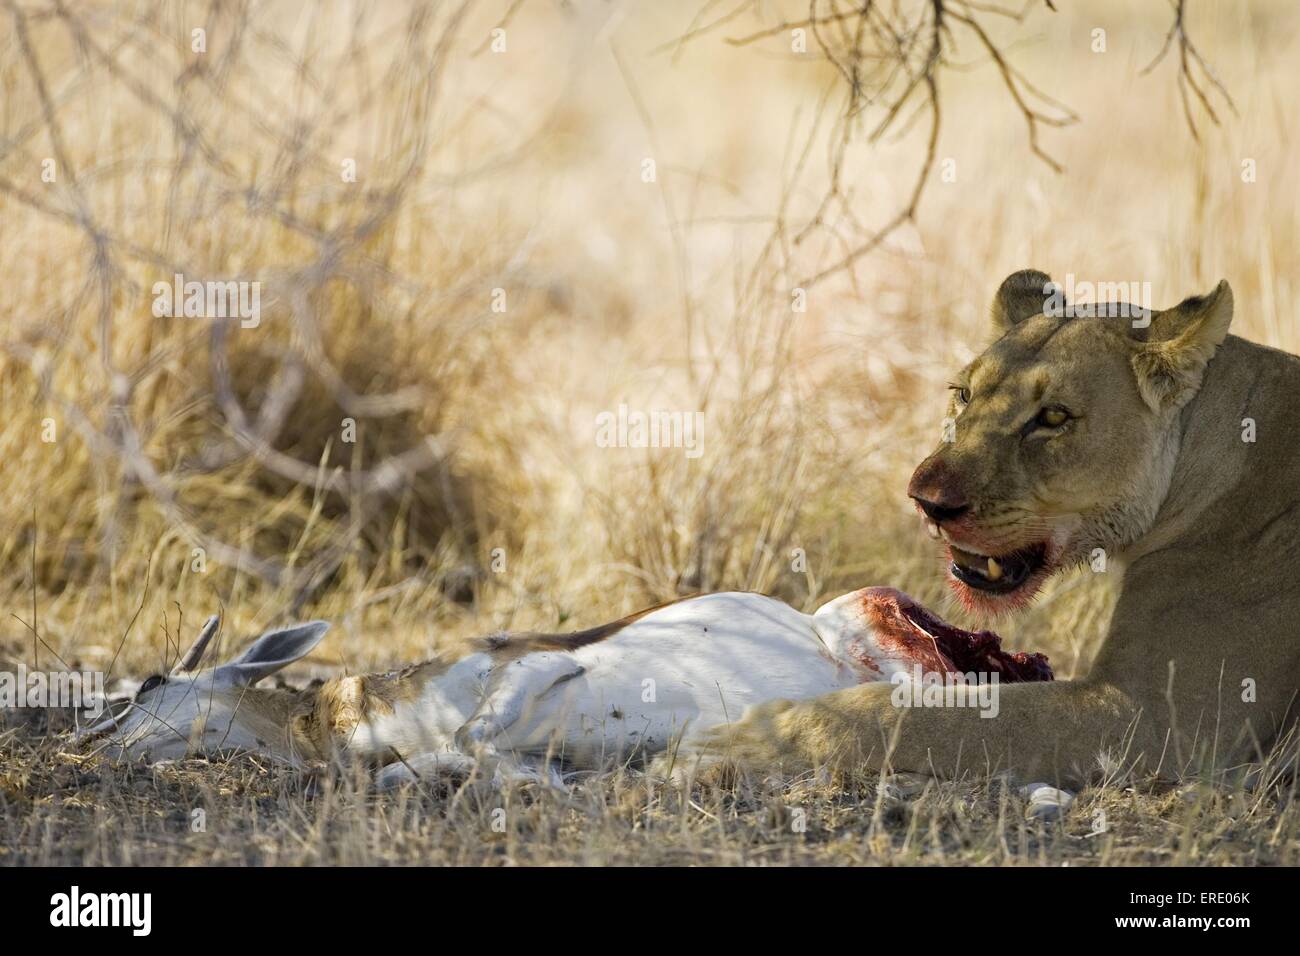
pixel 941 647
pixel 997 574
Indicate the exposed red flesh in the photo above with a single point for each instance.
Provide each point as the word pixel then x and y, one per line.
pixel 938 646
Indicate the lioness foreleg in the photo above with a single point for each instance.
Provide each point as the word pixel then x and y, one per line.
pixel 1041 731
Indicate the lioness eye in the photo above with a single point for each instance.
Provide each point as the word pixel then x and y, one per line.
pixel 963 394
pixel 1053 417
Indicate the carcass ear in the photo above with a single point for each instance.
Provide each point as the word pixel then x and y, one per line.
pixel 1182 340
pixel 1023 295
pixel 272 651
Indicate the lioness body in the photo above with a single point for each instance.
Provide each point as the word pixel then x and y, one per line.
pixel 1185 469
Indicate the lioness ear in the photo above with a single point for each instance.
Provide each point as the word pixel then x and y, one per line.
pixel 1021 295
pixel 1183 339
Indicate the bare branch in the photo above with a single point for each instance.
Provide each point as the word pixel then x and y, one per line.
pixel 1189 62
pixel 891 60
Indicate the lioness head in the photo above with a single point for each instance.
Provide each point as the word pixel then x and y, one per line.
pixel 1061 437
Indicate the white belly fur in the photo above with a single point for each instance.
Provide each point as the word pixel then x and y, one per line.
pixel 696 663
pixel 429 723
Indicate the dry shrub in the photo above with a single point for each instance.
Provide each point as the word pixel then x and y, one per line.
pixel 334 446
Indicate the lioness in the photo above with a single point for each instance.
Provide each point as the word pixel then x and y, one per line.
pixel 1173 449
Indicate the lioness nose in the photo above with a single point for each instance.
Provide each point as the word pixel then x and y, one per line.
pixel 934 488
pixel 939 513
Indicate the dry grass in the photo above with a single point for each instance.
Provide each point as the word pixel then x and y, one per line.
pixel 60 809
pixel 521 171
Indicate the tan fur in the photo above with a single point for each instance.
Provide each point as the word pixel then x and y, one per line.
pixel 1206 525
pixel 325 717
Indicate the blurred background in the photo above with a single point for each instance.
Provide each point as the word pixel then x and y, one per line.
pixel 476 228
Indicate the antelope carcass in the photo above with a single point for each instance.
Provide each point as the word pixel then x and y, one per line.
pixel 535 703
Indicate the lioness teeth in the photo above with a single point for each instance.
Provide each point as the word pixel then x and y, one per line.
pixel 995 570
pixel 932 529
